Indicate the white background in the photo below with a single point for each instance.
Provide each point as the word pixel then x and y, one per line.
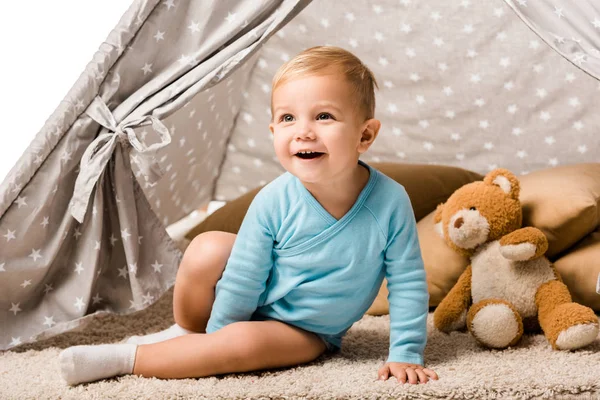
pixel 44 47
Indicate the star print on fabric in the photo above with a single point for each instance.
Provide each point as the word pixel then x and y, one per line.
pixel 558 12
pixel 96 299
pixel 16 341
pixel 169 4
pixel 25 283
pixel 159 36
pixel 133 268
pixel 45 222
pixel 10 235
pixel 148 298
pixel 66 156
pixel 157 266
pixel 147 68
pixel 194 27
pixel 21 201
pixel 49 321
pixel 2 267
pixel 125 235
pixel 79 268
pixel 580 58
pixel 230 17
pixel 123 272
pixel 35 254
pixel 545 116
pixel 79 303
pixel 15 308
pixel 134 305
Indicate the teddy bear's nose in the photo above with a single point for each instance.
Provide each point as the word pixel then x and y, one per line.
pixel 459 222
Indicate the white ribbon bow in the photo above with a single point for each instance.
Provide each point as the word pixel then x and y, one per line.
pixel 99 152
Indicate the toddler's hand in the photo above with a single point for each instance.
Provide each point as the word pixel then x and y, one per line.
pixel 414 372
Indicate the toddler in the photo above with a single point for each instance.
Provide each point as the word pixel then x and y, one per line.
pixel 309 257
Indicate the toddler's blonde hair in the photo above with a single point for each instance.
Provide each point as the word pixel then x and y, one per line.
pixel 323 59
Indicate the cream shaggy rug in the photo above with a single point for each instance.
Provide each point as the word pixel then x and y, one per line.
pixel 532 370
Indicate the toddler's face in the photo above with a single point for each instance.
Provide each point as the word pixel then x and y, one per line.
pixel 316 127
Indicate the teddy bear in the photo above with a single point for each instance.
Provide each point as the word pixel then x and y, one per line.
pixel 510 287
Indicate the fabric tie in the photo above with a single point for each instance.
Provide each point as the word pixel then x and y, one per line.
pixel 99 152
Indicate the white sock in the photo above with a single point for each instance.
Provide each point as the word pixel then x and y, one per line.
pixel 171 332
pixel 80 364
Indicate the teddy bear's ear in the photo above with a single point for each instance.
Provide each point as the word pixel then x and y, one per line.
pixel 437 219
pixel 505 180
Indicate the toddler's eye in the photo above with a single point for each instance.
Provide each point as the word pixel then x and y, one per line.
pixel 324 116
pixel 287 118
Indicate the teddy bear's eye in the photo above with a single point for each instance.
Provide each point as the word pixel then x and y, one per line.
pixel 473 209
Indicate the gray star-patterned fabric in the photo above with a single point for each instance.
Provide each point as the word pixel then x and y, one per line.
pixel 173 111
pixel 573 30
pixel 463 83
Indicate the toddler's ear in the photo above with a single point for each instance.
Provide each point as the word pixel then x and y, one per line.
pixel 369 133
pixel 272 128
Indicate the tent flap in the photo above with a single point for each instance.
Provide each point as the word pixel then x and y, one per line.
pixel 84 209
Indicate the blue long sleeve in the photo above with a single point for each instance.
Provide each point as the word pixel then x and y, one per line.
pixel 244 279
pixel 294 262
pixel 408 296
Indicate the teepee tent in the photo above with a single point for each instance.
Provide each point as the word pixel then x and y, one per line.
pixel 172 112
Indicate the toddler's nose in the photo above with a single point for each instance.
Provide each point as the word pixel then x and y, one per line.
pixel 305 132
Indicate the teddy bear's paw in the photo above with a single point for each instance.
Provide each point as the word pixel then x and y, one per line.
pixel 577 336
pixel 496 325
pixel 518 252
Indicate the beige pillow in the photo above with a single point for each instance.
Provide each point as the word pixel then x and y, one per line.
pixel 579 269
pixel 564 202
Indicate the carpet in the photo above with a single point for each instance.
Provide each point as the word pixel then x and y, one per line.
pixel 530 370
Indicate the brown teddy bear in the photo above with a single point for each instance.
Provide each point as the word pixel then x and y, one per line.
pixel 510 287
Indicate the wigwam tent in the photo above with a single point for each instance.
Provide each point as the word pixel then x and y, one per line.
pixel 172 112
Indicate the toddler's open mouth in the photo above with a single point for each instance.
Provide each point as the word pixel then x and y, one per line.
pixel 309 155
